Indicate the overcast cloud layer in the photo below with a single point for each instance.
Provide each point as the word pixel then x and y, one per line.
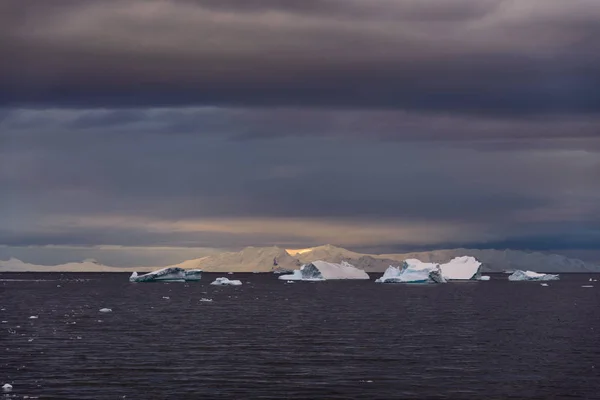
pixel 391 125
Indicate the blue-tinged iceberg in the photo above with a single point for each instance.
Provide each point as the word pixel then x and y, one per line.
pixel 461 269
pixel 532 276
pixel 413 271
pixel 226 282
pixel 323 271
pixel 193 274
pixel 169 274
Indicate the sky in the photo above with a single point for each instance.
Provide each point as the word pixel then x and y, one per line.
pixel 152 128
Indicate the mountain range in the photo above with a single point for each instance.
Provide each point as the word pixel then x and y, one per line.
pixel 263 259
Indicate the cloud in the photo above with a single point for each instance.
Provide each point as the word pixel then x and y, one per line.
pixel 350 186
pixel 468 56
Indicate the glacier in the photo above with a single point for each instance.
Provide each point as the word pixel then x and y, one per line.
pixel 322 271
pixel 519 275
pixel 225 282
pixel 461 269
pixel 169 274
pixel 413 271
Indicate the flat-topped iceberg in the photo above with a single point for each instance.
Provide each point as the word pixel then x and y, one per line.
pixel 169 274
pixel 225 282
pixel 461 269
pixel 413 271
pixel 322 271
pixel 531 276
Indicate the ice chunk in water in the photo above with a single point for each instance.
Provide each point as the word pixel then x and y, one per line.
pixel 519 275
pixel 226 282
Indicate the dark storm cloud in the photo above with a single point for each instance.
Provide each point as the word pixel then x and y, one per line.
pixel 82 164
pixel 468 56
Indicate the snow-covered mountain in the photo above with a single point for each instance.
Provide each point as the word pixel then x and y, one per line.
pixel 263 259
pixel 89 265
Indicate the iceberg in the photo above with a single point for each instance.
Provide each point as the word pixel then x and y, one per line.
pixel 225 281
pixel 169 274
pixel 519 275
pixel 413 271
pixel 461 269
pixel 193 274
pixel 322 271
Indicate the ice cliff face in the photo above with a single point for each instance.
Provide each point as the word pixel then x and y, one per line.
pixel 532 276
pixel 461 268
pixel 413 271
pixel 193 274
pixel 322 270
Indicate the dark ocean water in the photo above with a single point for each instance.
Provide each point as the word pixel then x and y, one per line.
pixel 271 340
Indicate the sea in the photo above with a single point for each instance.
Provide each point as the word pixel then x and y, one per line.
pixel 268 339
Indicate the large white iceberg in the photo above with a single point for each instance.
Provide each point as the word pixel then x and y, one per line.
pixel 225 281
pixel 413 271
pixel 531 276
pixel 322 270
pixel 169 274
pixel 461 269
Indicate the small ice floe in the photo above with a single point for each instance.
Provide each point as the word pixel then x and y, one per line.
pixel 30 340
pixel 205 299
pixel 587 286
pixel 105 310
pixel 4 322
pixel 544 284
pixel 33 317
pixel 7 387
pixel 484 278
pixel 225 281
pixel 166 297
pixel 290 282
pixel 230 273
pixel 58 286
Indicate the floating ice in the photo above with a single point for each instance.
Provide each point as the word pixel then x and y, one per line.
pixel 461 268
pixel 413 271
pixel 587 286
pixel 7 387
pixel 322 270
pixel 204 299
pixel 169 274
pixel 166 297
pixel 484 278
pixel 544 284
pixel 193 274
pixel 519 275
pixel 105 310
pixel 34 317
pixel 289 282
pixel 225 281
